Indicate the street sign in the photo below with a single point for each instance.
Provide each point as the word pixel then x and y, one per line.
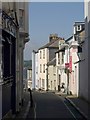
pixel 66 65
pixel 70 65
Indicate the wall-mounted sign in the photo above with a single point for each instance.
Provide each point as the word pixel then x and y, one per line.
pixel 66 65
pixel 70 63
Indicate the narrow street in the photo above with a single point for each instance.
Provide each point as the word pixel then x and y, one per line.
pixel 44 60
pixel 49 105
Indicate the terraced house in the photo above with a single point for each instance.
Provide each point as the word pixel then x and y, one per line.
pixel 46 54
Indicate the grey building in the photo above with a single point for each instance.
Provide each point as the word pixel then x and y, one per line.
pixel 11 54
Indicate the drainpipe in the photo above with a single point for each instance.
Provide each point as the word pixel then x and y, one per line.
pixel 47 77
pixel 17 58
pixel 67 82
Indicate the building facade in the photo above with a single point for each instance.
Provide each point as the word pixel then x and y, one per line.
pixel 74 53
pixel 52 74
pixel 29 78
pixel 84 64
pixel 10 61
pixel 46 54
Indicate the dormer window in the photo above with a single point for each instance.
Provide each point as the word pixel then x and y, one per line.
pixel 78 27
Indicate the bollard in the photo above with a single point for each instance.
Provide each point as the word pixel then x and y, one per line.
pixel 31 99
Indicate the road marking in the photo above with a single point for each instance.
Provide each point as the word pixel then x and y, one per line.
pixel 35 111
pixel 66 106
pixel 70 110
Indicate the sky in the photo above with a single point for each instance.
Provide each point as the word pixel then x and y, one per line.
pixel 46 18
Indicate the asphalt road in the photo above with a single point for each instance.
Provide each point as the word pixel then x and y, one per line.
pixel 49 105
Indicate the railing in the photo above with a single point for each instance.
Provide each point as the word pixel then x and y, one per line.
pixel 7 23
pixel 7 80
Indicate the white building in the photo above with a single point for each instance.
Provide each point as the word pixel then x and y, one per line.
pixel 60 66
pixel 74 53
pixel 46 54
pixel 29 78
pixel 33 68
pixel 36 71
pixel 67 62
pixel 35 82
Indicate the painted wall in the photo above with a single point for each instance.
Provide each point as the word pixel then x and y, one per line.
pixel 84 65
pixel 52 53
pixel 33 69
pixel 36 77
pixel 41 61
pixel 29 78
pixel 73 86
pixel 52 77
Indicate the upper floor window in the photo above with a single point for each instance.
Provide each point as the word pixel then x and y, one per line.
pixel 40 54
pixel 58 58
pixel 40 68
pixel 43 54
pixel 43 68
pixel 78 27
pixel 30 73
pixel 62 57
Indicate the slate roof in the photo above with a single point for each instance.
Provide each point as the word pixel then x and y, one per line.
pixel 69 38
pixel 52 44
pixel 52 62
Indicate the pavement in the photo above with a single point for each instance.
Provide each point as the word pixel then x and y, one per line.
pixel 25 108
pixel 80 104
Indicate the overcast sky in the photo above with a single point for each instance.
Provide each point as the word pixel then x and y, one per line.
pixel 46 18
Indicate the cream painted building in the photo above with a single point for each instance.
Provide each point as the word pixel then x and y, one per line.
pixel 52 74
pixel 60 66
pixel 46 54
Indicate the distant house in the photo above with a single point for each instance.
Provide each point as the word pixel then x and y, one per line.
pixel 60 65
pixel 52 74
pixel 29 78
pixel 34 69
pixel 46 54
